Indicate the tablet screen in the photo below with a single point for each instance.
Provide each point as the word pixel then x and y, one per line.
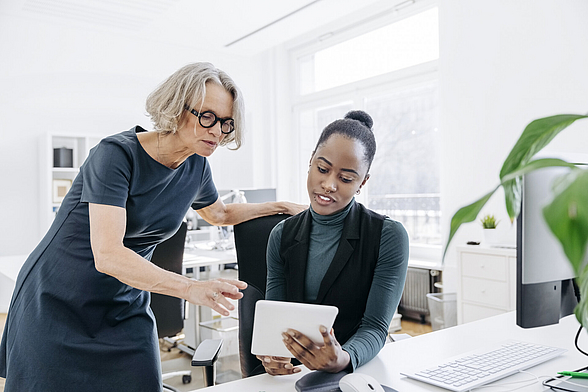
pixel 274 317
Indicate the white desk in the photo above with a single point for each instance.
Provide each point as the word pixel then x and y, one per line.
pixel 195 258
pixel 425 350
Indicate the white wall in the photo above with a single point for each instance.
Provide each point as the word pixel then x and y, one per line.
pixel 503 64
pixel 57 79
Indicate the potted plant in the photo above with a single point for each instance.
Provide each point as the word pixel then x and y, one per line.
pixel 489 224
pixel 566 215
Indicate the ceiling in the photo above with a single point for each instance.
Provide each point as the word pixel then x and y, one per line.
pixel 241 27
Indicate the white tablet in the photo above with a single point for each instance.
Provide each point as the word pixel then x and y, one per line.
pixel 274 317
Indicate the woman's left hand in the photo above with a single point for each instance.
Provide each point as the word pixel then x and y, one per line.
pixel 328 357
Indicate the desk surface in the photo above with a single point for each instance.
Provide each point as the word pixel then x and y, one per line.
pixel 203 257
pixel 425 350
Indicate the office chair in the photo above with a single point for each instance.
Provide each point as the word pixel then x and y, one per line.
pixel 251 238
pixel 169 312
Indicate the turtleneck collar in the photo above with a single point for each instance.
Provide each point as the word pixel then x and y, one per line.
pixel 333 219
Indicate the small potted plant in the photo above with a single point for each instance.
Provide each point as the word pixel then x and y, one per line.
pixel 489 224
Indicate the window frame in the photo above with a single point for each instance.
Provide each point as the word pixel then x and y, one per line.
pixel 356 92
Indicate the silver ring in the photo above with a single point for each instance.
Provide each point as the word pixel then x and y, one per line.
pixel 214 296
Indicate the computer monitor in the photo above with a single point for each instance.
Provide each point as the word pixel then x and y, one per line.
pixel 545 285
pixel 257 195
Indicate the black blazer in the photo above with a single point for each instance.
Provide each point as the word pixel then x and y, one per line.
pixel 348 279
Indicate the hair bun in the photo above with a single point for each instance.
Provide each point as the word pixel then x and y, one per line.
pixel 361 116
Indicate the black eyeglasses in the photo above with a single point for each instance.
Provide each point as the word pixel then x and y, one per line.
pixel 208 119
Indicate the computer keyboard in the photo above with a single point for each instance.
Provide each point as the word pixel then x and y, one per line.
pixel 483 366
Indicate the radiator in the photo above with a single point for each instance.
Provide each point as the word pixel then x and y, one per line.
pixel 419 282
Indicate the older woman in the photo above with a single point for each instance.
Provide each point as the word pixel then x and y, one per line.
pixel 79 318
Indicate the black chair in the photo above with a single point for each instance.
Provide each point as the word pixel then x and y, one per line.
pixel 251 238
pixel 169 311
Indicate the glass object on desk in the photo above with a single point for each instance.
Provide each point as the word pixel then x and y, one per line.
pixel 219 237
pixel 224 239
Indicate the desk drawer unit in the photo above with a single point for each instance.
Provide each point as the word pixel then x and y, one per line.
pixel 484 266
pixel 485 292
pixel 486 282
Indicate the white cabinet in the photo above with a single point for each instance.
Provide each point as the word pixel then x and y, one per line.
pixel 55 181
pixel 486 282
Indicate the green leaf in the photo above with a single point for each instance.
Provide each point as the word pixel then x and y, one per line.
pixel 466 214
pixel 512 197
pixel 536 164
pixel 536 136
pixel 567 217
pixel 512 183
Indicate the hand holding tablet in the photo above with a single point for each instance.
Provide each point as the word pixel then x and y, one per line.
pixel 272 318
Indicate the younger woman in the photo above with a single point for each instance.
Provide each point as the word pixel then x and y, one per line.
pixel 338 253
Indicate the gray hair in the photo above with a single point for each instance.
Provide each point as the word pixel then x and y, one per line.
pixel 186 87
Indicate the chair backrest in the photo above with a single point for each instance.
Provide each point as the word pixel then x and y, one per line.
pixel 251 239
pixel 169 311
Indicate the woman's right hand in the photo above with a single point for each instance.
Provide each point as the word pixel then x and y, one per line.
pixel 277 365
pixel 214 293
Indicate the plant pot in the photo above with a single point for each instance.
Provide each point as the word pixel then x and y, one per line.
pixel 491 237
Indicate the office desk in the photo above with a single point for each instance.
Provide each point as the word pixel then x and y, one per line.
pixel 425 350
pixel 195 258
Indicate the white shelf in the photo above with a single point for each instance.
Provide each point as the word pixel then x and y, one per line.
pixel 65 170
pixel 48 174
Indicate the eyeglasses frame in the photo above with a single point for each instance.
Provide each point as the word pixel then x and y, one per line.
pixel 216 119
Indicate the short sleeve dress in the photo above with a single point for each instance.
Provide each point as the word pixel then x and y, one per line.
pixel 72 328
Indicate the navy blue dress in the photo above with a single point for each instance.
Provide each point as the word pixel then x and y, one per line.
pixel 72 328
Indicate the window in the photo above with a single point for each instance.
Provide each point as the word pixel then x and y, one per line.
pixel 391 73
pixel 410 41
pixel 405 170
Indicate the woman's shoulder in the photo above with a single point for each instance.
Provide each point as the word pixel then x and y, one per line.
pixel 279 228
pixel 126 141
pixel 124 138
pixel 393 228
pixel 115 147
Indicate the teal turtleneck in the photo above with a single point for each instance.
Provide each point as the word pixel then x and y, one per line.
pixel 325 233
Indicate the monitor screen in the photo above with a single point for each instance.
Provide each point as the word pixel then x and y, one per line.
pixel 545 285
pixel 254 195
